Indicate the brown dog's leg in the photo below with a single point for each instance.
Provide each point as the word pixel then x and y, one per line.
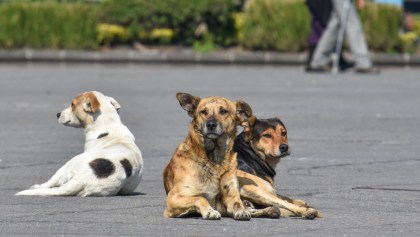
pixel 231 198
pixel 179 206
pixel 268 212
pixel 261 192
pixel 298 202
pixel 266 198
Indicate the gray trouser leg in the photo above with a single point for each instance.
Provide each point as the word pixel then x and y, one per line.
pixel 355 38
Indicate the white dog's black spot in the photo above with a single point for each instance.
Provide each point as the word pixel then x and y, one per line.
pixel 127 167
pixel 102 167
pixel 103 135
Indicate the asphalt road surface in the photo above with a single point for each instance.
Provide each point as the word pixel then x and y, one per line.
pixel 355 142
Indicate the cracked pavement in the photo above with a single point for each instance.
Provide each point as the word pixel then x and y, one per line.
pixel 354 139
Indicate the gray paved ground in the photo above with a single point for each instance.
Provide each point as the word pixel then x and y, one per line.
pixel 346 132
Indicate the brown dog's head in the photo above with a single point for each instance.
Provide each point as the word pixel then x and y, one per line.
pixel 269 140
pixel 84 107
pixel 215 116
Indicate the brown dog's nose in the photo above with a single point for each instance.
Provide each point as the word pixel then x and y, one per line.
pixel 58 115
pixel 211 124
pixel 284 148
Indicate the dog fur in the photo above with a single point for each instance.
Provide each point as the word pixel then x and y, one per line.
pixel 111 163
pixel 201 176
pixel 260 147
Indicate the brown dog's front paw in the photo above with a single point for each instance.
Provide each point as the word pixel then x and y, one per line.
pixel 211 214
pixel 310 214
pixel 242 215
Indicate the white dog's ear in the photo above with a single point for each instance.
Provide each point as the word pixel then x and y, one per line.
pixel 188 102
pixel 91 103
pixel 114 103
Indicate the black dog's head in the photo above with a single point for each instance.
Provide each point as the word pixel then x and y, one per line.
pixel 260 146
pixel 269 140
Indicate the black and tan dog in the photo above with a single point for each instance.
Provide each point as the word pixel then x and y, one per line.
pixel 201 176
pixel 260 147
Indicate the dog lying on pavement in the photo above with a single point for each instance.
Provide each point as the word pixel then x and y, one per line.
pixel 260 147
pixel 201 176
pixel 111 163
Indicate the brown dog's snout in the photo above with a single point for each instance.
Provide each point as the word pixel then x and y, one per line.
pixel 211 124
pixel 58 115
pixel 284 148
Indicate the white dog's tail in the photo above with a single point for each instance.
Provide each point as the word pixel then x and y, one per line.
pixel 71 188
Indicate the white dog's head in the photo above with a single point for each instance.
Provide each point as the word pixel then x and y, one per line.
pixel 86 107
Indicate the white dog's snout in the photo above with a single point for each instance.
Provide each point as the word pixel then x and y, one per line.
pixel 68 118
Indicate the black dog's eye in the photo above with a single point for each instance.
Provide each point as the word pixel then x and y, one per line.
pixel 223 111
pixel 284 133
pixel 204 112
pixel 267 135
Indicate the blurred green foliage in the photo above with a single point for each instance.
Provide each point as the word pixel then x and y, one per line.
pixel 281 25
pixel 381 24
pixel 275 25
pixel 284 26
pixel 182 16
pixel 47 25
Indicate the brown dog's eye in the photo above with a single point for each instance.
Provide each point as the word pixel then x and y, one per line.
pixel 223 111
pixel 284 133
pixel 267 135
pixel 204 112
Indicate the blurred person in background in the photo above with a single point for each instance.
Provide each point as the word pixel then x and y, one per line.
pixel 320 14
pixel 355 39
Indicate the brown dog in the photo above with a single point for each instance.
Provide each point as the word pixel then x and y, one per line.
pixel 260 147
pixel 201 176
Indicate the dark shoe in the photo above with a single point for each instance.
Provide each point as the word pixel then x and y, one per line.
pixel 325 68
pixel 311 50
pixel 344 64
pixel 368 70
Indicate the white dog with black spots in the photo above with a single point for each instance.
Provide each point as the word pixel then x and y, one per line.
pixel 111 163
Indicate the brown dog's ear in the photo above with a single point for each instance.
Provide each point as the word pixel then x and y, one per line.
pixel 91 103
pixel 245 118
pixel 188 102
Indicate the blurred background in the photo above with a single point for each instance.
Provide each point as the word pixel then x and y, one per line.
pixel 391 26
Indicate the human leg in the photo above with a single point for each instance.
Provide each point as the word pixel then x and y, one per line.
pixel 355 35
pixel 327 42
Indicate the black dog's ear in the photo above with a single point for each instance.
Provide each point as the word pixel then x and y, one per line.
pixel 243 111
pixel 188 102
pixel 245 118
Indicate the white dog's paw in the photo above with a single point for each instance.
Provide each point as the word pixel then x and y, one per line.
pixel 242 215
pixel 36 186
pixel 211 214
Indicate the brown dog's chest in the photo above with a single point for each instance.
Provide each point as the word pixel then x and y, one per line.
pixel 208 178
